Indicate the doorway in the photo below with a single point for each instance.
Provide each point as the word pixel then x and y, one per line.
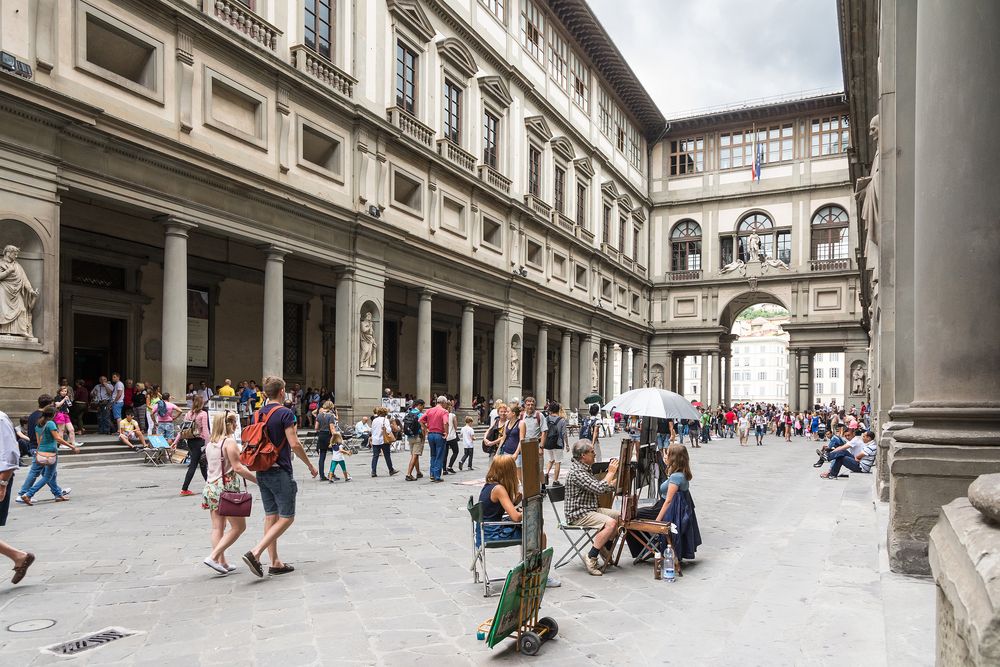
pixel 98 347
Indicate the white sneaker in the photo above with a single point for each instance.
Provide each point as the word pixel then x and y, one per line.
pixel 218 567
pixel 552 582
pixel 66 491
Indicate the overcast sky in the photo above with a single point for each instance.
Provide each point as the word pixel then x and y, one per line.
pixel 691 54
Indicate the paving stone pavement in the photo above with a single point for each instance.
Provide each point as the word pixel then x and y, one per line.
pixel 790 573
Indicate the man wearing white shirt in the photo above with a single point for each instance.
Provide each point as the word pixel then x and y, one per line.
pixel 364 430
pixel 10 459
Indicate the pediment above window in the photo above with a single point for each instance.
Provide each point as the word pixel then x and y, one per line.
pixel 458 56
pixel 538 126
pixel 496 88
pixel 610 189
pixel 584 166
pixel 625 203
pixel 562 146
pixel 409 13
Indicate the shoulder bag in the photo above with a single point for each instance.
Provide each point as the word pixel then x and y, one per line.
pixel 233 503
pixel 189 427
pixel 45 458
pixel 387 435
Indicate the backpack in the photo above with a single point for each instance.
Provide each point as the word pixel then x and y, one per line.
pixel 190 428
pixel 161 408
pixel 587 430
pixel 411 423
pixel 259 453
pixel 552 432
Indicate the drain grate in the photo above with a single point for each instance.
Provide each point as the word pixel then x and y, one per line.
pixel 95 640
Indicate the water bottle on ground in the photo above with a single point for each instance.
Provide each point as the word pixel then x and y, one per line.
pixel 668 565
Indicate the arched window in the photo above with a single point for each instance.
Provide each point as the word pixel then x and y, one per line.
pixel 830 233
pixel 773 244
pixel 685 242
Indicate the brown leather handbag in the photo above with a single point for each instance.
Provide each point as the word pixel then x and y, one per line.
pixel 233 503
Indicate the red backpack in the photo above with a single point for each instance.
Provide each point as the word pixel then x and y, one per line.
pixel 259 453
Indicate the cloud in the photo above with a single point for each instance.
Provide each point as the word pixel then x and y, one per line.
pixel 691 54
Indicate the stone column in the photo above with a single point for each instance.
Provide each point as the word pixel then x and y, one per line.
pixel 424 346
pixel 625 370
pixel 173 376
pixel 805 374
pixel 587 349
pixel 565 367
pixel 716 379
pixel 542 364
pixel 273 338
pixel 793 379
pixel 728 383
pixel 955 409
pixel 346 336
pixel 679 360
pixel 501 342
pixel 609 373
pixel 706 371
pixel 465 356
pixel 670 372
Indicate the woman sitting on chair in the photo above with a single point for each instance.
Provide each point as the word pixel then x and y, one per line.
pixel 675 506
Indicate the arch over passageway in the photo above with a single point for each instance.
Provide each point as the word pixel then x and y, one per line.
pixel 743 301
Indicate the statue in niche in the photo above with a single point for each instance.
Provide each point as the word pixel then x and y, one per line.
pixel 369 344
pixel 753 245
pixel 858 377
pixel 595 373
pixel 867 195
pixel 645 375
pixel 515 364
pixel 657 377
pixel 17 296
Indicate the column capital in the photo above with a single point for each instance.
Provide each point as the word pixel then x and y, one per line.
pixel 176 226
pixel 566 333
pixel 273 252
pixel 469 306
pixel 426 294
pixel 345 272
pixel 543 326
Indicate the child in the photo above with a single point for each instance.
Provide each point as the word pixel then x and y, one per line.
pixel 337 457
pixel 63 403
pixel 468 440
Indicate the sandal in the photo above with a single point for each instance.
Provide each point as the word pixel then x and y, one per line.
pixel 22 569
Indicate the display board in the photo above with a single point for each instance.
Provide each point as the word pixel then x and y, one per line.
pixel 508 616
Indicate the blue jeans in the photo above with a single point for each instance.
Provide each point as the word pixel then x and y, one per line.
pixel 116 410
pixel 438 450
pixel 166 429
pixel 382 450
pixel 104 420
pixel 48 476
pixel 661 440
pixel 33 472
pixel 846 461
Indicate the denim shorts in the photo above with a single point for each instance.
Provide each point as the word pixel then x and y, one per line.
pixel 277 492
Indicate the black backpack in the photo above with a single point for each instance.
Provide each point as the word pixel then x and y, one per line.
pixel 587 430
pixel 552 432
pixel 411 423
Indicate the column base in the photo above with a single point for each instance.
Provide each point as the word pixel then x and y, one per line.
pixel 887 441
pixel 932 463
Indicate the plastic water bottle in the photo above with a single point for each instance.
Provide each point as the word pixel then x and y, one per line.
pixel 668 565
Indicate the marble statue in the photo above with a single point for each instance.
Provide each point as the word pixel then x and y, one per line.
pixel 753 243
pixel 595 373
pixel 17 297
pixel 657 377
pixel 515 364
pixel 776 264
pixel 858 379
pixel 369 345
pixel 732 266
pixel 866 191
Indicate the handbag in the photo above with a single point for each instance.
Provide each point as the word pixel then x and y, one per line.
pixel 190 429
pixel 387 436
pixel 233 503
pixel 45 458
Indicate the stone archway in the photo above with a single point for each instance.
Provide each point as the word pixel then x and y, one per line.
pixel 742 301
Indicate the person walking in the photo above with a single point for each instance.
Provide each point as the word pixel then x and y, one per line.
pixel 10 459
pixel 193 432
pixel 337 451
pixel 759 424
pixel 380 426
pixel 166 413
pixel 117 398
pixel 496 433
pixel 277 484
pixel 435 425
pixel 451 440
pixel 533 430
pixel 47 456
pixel 468 443
pixel 326 426
pixel 224 472
pixel 556 443
pixel 139 405
pixel 415 438
pixel 63 403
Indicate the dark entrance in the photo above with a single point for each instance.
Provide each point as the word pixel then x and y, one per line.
pixel 98 347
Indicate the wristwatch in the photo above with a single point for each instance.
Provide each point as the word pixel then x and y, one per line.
pixel 3 482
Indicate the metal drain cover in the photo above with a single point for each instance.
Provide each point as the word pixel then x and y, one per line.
pixel 31 625
pixel 91 641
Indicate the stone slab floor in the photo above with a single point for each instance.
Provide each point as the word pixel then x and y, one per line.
pixel 790 573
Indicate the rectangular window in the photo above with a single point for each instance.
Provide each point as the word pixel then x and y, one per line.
pixel 819 356
pixel 604 111
pixel 634 147
pixel 406 78
pixel 439 357
pixel 819 373
pixel 622 226
pixel 557 58
pixel 834 373
pixel 579 82
pixel 620 125
pixel 819 388
pixel 784 249
pixel 495 7
pixel 635 243
pixel 532 31
pixel 294 323
pixel 762 375
pixel 725 251
pixel 606 225
pixel 581 205
pixel 491 126
pixel 318 33
pixel 829 136
pixel 452 112
pixel 736 149
pixel 534 172
pixel 559 192
pixel 687 156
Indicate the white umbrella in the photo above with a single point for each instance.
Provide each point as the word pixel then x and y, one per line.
pixel 652 402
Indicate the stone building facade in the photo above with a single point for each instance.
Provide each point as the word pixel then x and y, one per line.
pixel 392 194
pixel 730 235
pixel 921 83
